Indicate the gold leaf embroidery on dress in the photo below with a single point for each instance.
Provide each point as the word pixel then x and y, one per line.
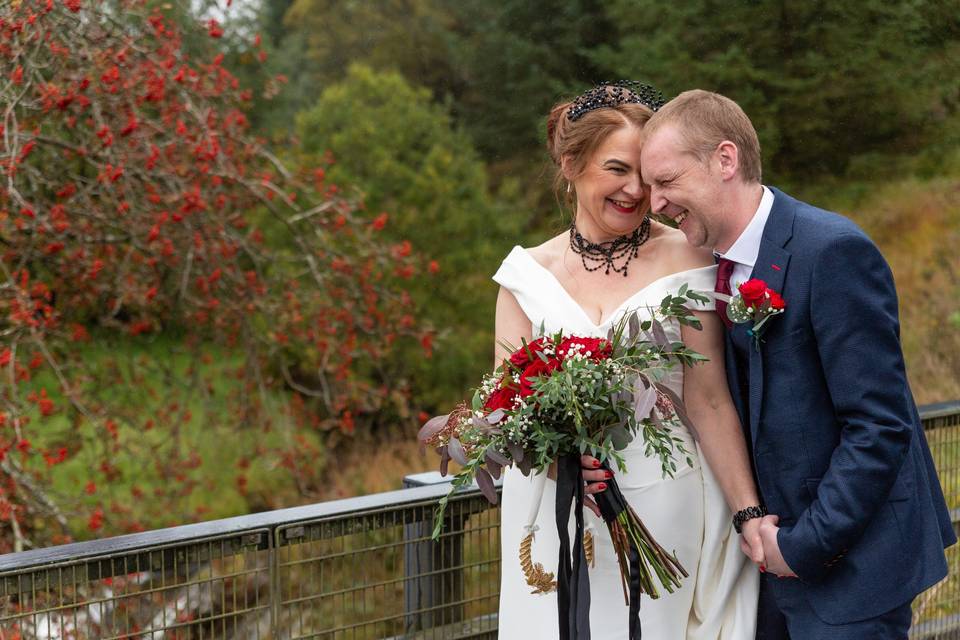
pixel 588 548
pixel 542 581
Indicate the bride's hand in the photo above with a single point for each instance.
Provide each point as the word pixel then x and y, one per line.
pixel 594 478
pixel 750 541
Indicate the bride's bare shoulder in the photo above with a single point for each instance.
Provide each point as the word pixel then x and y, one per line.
pixel 677 252
pixel 550 253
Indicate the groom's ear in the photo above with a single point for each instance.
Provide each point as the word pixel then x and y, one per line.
pixel 728 156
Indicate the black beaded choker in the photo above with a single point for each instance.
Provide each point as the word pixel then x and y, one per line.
pixel 605 253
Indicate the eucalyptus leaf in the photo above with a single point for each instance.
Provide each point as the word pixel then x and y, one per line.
pixel 659 335
pixel 499 458
pixel 485 482
pixel 456 451
pixel 525 464
pixel 634 323
pixel 496 416
pixel 643 379
pixel 516 452
pixel 444 460
pixel 431 427
pixel 644 399
pixel 493 466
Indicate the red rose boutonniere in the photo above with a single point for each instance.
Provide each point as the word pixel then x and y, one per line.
pixel 755 303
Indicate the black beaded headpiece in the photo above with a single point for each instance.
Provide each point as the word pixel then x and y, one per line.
pixel 613 94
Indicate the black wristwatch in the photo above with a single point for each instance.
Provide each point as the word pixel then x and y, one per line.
pixel 749 513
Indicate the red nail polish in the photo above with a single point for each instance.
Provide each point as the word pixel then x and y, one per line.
pixel 596 463
pixel 763 569
pixel 608 474
pixel 602 486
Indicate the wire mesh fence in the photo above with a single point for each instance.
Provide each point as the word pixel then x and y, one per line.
pixel 212 588
pixel 350 570
pixel 380 575
pixel 356 569
pixel 936 613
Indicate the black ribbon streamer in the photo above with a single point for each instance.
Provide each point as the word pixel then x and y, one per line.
pixel 573 580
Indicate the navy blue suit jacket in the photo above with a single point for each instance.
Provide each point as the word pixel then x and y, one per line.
pixel 837 442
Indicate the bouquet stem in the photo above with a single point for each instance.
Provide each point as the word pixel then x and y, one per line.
pixel 632 540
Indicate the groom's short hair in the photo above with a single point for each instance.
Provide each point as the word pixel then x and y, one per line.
pixel 704 120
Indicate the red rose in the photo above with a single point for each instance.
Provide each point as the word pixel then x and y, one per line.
pixel 599 348
pixel 502 398
pixel 753 292
pixel 520 359
pixel 534 370
pixel 776 300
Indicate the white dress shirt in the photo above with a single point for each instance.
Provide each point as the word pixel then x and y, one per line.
pixel 746 248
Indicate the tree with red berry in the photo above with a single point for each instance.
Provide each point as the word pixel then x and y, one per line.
pixel 136 208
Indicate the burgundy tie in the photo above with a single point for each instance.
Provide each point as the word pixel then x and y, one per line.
pixel 724 271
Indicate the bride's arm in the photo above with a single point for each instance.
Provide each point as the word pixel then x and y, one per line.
pixel 710 407
pixel 511 325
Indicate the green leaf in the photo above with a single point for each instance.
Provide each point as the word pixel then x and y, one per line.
pixel 619 437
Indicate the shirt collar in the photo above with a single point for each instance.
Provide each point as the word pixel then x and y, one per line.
pixel 747 247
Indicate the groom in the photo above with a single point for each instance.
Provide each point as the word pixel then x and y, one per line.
pixel 857 522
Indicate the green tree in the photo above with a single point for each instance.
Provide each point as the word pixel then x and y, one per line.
pixel 516 59
pixel 823 81
pixel 317 40
pixel 402 149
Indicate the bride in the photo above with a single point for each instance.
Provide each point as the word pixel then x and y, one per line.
pixel 615 259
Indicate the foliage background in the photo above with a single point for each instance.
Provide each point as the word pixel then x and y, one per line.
pixel 429 116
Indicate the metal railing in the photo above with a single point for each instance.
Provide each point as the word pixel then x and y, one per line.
pixel 356 569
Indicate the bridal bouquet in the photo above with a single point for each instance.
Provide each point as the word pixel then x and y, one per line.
pixel 560 396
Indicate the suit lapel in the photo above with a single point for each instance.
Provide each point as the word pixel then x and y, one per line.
pixel 771 267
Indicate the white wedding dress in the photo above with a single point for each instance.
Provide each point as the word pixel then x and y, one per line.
pixel 686 514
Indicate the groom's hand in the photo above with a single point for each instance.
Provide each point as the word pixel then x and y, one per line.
pixel 750 541
pixel 775 563
pixel 595 478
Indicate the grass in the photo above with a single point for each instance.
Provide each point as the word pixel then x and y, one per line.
pixel 916 224
pixel 178 453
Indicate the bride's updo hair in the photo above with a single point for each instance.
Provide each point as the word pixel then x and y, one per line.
pixel 577 140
